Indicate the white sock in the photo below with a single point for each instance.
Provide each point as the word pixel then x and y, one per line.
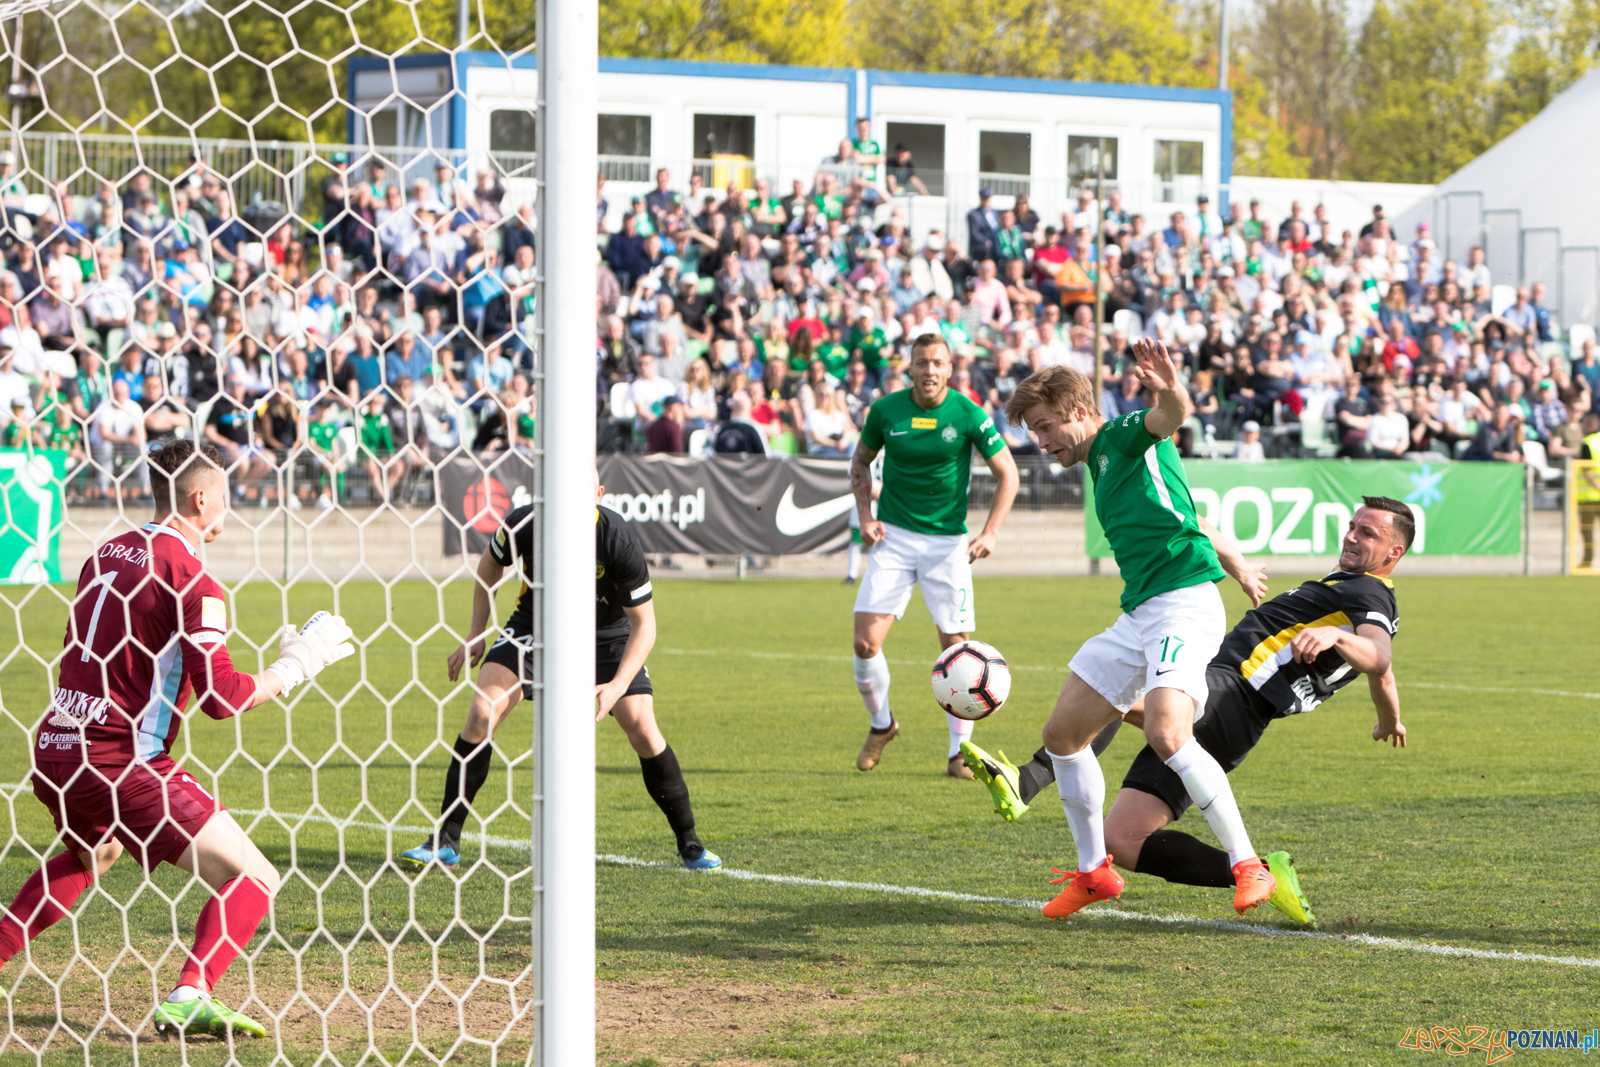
pixel 960 730
pixel 872 678
pixel 1208 787
pixel 1082 786
pixel 855 562
pixel 185 993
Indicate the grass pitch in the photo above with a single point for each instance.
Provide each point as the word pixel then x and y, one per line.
pixel 1481 835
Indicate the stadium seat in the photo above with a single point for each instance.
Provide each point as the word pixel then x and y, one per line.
pixel 621 401
pixel 1576 335
pixel 1131 323
pixel 1502 297
pixel 698 444
pixel 1314 438
pixel 1533 452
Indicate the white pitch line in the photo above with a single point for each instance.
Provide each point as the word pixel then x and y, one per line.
pixel 1225 925
pixel 1062 670
pixel 1369 940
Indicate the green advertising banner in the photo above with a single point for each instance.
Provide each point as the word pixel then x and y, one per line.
pixel 30 529
pixel 1294 507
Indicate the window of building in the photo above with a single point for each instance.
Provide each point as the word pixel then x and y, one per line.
pixel 724 135
pixel 926 142
pixel 1179 170
pixel 513 130
pixel 1085 158
pixel 1005 160
pixel 624 142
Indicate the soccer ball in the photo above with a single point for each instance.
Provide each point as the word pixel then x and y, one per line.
pixel 971 680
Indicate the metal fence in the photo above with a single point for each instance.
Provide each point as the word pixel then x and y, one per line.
pixel 289 173
pixel 1519 255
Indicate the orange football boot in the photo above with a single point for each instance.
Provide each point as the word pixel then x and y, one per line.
pixel 1084 889
pixel 1253 884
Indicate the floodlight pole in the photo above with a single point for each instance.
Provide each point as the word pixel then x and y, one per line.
pixel 1222 49
pixel 1099 267
pixel 568 42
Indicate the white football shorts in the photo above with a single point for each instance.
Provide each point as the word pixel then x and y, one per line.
pixel 1164 643
pixel 937 562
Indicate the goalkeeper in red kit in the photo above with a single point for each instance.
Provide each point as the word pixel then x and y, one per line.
pixel 147 630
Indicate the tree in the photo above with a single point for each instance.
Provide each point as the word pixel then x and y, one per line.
pixel 1302 54
pixel 1421 110
pixel 811 33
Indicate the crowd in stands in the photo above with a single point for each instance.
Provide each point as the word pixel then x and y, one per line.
pixel 360 345
pixel 340 357
pixel 774 321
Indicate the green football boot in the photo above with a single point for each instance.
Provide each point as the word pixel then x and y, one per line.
pixel 1001 778
pixel 1287 897
pixel 204 1015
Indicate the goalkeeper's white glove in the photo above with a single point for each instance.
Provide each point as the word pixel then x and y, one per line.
pixel 303 653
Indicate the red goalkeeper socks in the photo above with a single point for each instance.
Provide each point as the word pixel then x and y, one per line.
pixel 45 899
pixel 226 925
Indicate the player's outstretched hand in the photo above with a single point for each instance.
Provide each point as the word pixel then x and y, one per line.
pixel 324 639
pixel 1253 580
pixel 1394 733
pixel 871 532
pixel 471 652
pixel 1155 366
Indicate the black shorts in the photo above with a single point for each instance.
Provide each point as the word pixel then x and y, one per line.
pixel 1232 724
pixel 513 652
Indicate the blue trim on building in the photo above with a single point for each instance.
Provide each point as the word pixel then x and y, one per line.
pixel 984 83
pixel 847 76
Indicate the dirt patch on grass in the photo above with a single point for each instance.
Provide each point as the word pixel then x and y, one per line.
pixel 695 1019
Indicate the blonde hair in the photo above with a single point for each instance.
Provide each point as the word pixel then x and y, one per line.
pixel 1061 389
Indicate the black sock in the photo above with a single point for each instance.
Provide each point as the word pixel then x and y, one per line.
pixel 1035 775
pixel 1177 857
pixel 1102 740
pixel 1039 772
pixel 460 789
pixel 663 780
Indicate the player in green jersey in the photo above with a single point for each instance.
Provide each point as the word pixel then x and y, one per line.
pixel 919 535
pixel 1172 623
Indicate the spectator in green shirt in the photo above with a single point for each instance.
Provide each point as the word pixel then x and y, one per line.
pixel 867 343
pixel 829 203
pixel 869 153
pixel 834 353
pixel 1010 241
pixel 377 447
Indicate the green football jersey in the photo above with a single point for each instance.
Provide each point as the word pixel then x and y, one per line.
pixel 323 434
pixel 1141 496
pixel 927 458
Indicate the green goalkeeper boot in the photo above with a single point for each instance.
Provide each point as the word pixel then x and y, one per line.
pixel 204 1015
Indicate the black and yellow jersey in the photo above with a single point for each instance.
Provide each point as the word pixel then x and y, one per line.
pixel 621 575
pixel 1258 648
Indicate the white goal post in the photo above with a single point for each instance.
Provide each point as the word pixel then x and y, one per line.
pixel 241 116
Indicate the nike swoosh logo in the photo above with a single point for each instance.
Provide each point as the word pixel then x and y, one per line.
pixel 1160 673
pixel 898 433
pixel 793 521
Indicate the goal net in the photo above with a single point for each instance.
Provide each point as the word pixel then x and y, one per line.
pixel 307 234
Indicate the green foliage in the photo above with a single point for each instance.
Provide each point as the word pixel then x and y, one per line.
pixel 1141 41
pixel 1421 110
pixel 813 33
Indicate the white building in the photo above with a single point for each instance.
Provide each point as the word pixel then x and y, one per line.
pixel 734 122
